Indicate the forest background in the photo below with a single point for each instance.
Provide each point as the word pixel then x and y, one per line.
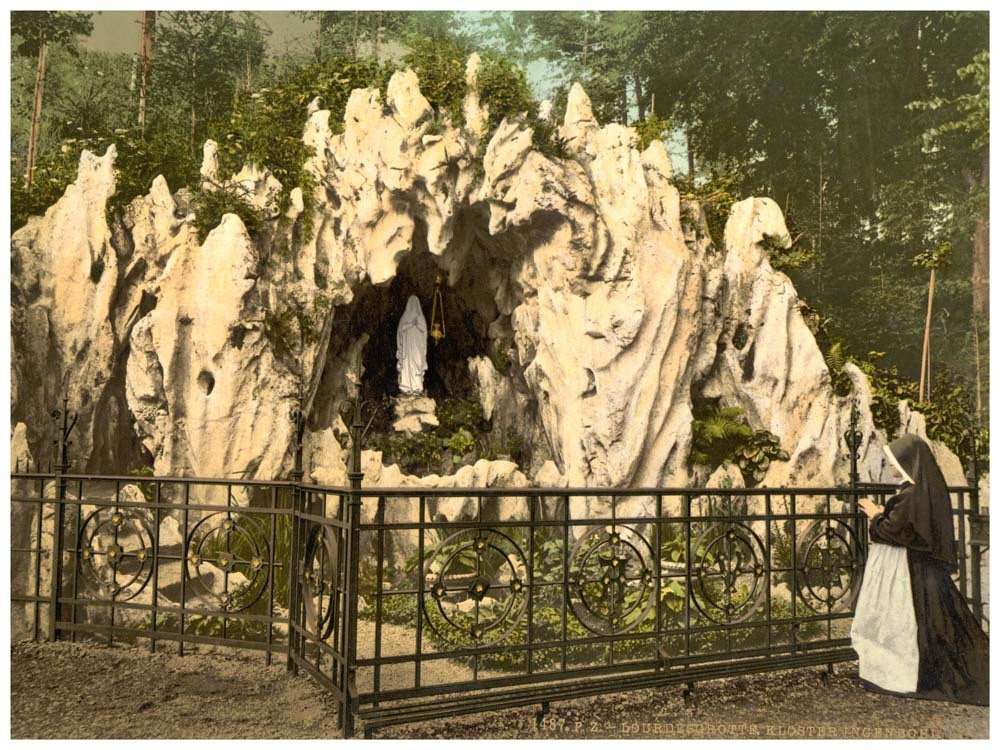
pixel 869 129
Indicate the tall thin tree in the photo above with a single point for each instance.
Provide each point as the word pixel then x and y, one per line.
pixel 147 27
pixel 36 30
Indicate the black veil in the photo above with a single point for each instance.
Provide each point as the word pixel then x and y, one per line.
pixel 926 502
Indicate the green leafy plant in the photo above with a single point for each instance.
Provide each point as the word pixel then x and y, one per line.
pixel 652 128
pixel 783 254
pixel 460 442
pixel 836 357
pixel 720 435
pixel 888 388
pixel 717 432
pixel 500 358
pixel 440 66
pixel 212 205
pixel 716 196
pixel 460 413
pixel 503 86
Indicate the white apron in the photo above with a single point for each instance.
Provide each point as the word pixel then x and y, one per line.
pixel 884 631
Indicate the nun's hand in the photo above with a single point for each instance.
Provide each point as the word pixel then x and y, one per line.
pixel 869 508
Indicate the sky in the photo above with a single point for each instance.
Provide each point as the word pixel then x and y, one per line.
pixel 118 30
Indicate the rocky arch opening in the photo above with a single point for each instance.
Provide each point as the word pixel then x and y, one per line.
pixel 376 312
pixel 474 327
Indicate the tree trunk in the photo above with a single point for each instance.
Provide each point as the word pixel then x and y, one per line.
pixel 36 114
pixel 354 39
pixel 690 151
pixel 638 96
pixel 378 35
pixel 979 377
pixel 925 353
pixel 321 18
pixel 819 189
pixel 981 278
pixel 871 161
pixel 981 249
pixel 147 26
pixel 194 66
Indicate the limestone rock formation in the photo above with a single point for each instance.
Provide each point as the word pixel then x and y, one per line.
pixel 594 307
pixel 414 414
pixel 24 520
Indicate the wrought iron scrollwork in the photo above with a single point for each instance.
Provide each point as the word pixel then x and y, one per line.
pixel 728 574
pixel 611 580
pixel 318 583
pixel 829 571
pixel 476 585
pixel 228 560
pixel 117 552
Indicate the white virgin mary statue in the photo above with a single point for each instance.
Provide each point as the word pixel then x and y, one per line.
pixel 411 349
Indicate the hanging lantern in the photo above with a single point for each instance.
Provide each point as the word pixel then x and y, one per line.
pixel 437 312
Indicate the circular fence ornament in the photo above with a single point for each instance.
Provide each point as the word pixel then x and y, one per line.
pixel 611 582
pixel 475 587
pixel 227 561
pixel 828 571
pixel 728 582
pixel 116 550
pixel 317 577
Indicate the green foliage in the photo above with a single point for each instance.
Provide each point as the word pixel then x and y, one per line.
pixel 721 435
pixel 138 163
pixel 545 138
pixel 888 389
pixel 951 417
pixel 53 173
pixel 936 257
pixel 969 110
pixel 440 66
pixel 717 433
pixel 836 357
pixel 716 196
pixel 652 128
pixel 30 28
pixel 419 453
pixel 949 413
pixel 460 442
pixel 784 254
pixel 212 205
pixel 460 413
pixel 265 126
pixel 500 358
pixel 295 327
pixel 461 431
pixel 503 86
pixel 202 60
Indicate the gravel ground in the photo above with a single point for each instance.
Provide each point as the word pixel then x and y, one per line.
pixel 67 690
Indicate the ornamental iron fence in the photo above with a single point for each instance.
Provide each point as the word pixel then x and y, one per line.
pixel 411 604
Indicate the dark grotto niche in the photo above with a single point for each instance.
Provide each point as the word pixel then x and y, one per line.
pixel 377 310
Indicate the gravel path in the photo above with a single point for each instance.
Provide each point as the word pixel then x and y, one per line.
pixel 65 690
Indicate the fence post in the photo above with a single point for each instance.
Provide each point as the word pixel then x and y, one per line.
pixel 355 475
pixel 294 563
pixel 974 516
pixel 852 437
pixel 65 429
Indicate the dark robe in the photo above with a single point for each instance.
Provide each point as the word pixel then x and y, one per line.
pixel 954 662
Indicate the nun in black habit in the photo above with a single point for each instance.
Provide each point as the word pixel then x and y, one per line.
pixel 913 630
